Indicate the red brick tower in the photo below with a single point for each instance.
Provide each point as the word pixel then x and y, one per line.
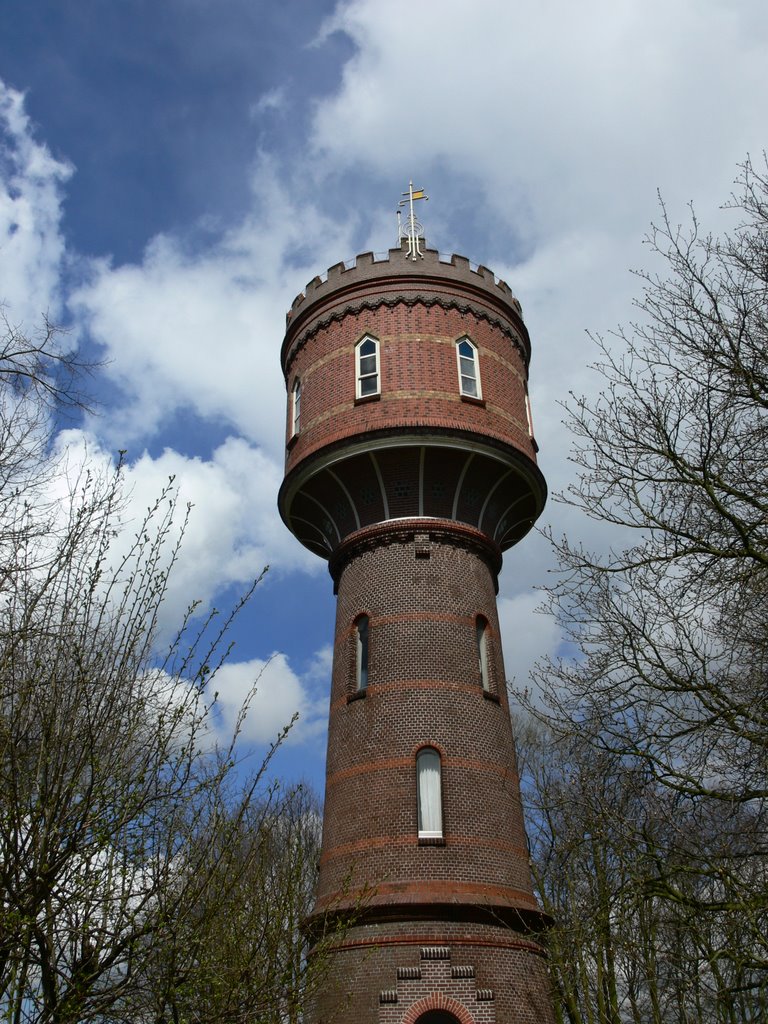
pixel 411 466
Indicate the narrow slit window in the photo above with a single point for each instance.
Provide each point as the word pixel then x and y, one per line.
pixel 528 414
pixel 430 798
pixel 469 369
pixel 367 368
pixel 361 652
pixel 481 627
pixel 296 408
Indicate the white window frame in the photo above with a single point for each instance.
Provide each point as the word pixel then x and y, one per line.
pixel 429 793
pixel 361 377
pixel 296 407
pixel 362 651
pixel 462 368
pixel 482 633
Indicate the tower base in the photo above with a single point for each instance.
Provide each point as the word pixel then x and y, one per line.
pixel 398 973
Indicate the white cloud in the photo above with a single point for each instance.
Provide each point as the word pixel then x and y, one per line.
pixel 31 243
pixel 273 694
pixel 560 121
pixel 231 534
pixel 561 112
pixel 527 633
pixel 272 100
pixel 233 531
pixel 556 120
pixel 201 331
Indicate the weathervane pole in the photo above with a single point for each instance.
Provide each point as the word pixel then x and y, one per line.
pixel 413 228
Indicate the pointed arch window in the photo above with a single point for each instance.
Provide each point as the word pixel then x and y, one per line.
pixel 367 368
pixel 296 407
pixel 361 652
pixel 429 793
pixel 469 368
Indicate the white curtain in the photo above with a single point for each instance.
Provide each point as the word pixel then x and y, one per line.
pixel 361 652
pixel 482 653
pixel 430 802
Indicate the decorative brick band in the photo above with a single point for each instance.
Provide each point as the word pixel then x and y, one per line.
pixel 485 995
pixel 372 303
pixel 458 620
pixel 389 763
pixel 383 842
pixel 391 397
pixel 463 940
pixel 389 995
pixel 403 531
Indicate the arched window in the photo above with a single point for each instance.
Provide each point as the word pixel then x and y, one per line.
pixel 296 407
pixel 481 632
pixel 429 792
pixel 469 369
pixel 361 652
pixel 367 368
pixel 437 1017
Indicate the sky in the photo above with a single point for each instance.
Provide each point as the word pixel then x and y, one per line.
pixel 172 173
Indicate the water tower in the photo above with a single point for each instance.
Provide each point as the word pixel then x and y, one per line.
pixel 411 467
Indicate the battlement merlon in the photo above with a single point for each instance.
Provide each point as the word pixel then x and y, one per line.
pixel 397 269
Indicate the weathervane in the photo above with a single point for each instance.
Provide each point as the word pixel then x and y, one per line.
pixel 413 231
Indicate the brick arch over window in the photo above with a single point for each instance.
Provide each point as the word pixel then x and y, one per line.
pixel 437 1001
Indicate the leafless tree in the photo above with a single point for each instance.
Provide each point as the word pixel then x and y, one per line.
pixel 126 829
pixel 240 951
pixel 670 625
pixel 621 948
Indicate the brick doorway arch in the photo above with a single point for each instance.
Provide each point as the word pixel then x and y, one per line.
pixel 437 1009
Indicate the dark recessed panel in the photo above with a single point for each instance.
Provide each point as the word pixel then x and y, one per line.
pixel 360 479
pixel 310 536
pixel 304 510
pixel 516 520
pixel 327 492
pixel 442 469
pixel 400 472
pixel 481 476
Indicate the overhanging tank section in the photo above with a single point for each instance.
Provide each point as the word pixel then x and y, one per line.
pixel 416 446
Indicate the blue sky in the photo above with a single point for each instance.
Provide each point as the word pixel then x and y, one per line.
pixel 173 172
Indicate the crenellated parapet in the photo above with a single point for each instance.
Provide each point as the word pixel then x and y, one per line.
pixel 372 280
pixel 369 265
